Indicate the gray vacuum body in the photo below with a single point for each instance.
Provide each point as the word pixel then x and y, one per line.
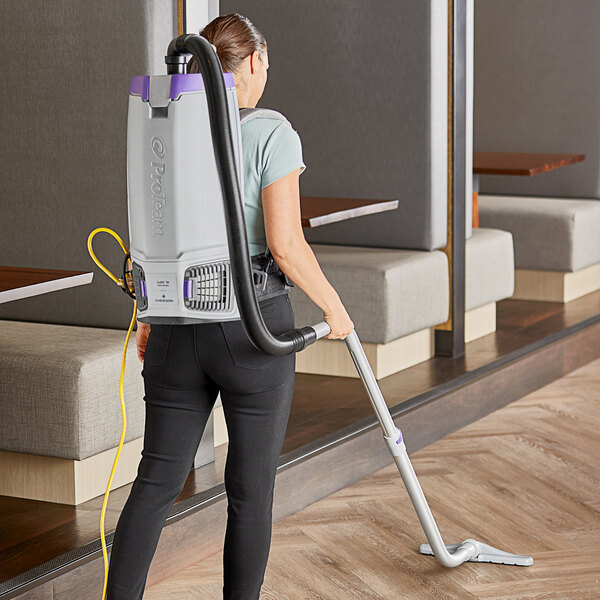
pixel 177 232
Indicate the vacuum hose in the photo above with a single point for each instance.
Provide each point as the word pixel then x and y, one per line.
pixel 241 264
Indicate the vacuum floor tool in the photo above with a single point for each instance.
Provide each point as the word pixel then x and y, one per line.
pixel 189 259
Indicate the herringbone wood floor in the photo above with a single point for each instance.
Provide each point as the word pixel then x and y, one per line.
pixel 525 479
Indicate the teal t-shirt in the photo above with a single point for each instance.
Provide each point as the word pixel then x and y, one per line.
pixel 271 149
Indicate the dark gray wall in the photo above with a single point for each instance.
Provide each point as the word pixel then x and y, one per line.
pixel 364 84
pixel 67 67
pixel 537 89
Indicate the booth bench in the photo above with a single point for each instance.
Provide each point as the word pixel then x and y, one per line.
pixel 557 243
pixel 60 412
pixel 396 297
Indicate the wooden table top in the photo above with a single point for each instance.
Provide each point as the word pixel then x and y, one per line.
pixel 317 211
pixel 23 282
pixel 521 163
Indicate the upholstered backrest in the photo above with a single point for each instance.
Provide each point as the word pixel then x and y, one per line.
pixel 64 106
pixel 365 86
pixel 537 89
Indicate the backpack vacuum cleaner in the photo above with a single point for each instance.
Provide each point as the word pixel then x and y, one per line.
pixel 189 260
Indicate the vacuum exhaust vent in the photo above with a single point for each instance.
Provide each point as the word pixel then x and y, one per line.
pixel 208 287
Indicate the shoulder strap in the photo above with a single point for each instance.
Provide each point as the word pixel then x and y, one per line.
pixel 250 113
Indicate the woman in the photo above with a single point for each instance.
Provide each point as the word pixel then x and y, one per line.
pixel 186 366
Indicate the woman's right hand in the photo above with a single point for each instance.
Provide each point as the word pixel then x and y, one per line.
pixel 141 339
pixel 340 323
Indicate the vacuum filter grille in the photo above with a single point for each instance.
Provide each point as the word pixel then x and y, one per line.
pixel 208 287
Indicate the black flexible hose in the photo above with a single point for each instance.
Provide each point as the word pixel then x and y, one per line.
pixel 241 263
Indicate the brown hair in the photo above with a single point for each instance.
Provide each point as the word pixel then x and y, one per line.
pixel 235 38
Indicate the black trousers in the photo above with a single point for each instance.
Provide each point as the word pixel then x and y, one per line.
pixel 185 367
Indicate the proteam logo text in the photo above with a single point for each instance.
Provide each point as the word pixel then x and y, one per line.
pixel 159 198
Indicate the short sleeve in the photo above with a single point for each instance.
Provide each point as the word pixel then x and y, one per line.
pixel 282 154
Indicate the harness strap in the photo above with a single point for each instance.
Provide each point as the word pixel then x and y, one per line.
pixel 246 114
pixel 266 265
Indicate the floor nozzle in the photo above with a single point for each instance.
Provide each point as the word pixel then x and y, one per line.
pixel 486 554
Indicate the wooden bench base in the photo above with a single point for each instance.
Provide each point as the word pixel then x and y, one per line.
pixel 556 286
pixel 63 480
pixel 331 357
pixel 480 321
pixel 220 426
pixel 69 481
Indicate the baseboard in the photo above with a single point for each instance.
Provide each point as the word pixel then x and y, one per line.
pixel 556 286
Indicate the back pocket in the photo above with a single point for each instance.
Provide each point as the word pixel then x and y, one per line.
pixel 157 346
pixel 278 319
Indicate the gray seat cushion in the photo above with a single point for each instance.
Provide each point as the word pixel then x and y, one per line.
pixel 59 389
pixel 388 293
pixel 489 267
pixel 554 234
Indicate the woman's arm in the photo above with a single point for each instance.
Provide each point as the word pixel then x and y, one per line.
pixel 285 238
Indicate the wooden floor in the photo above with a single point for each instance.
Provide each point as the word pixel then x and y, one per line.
pixel 525 479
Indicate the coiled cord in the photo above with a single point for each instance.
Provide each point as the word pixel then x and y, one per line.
pixel 126 284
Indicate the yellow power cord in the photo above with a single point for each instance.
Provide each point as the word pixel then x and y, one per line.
pixel 120 283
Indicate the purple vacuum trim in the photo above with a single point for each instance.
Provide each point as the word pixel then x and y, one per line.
pixel 143 288
pixel 187 288
pixel 140 86
pixel 193 82
pixel 399 440
pixel 181 83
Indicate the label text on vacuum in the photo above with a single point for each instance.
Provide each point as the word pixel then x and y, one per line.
pixel 157 170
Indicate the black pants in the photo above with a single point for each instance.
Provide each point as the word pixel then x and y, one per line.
pixel 185 367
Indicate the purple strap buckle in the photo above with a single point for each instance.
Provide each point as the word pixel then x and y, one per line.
pixel 187 288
